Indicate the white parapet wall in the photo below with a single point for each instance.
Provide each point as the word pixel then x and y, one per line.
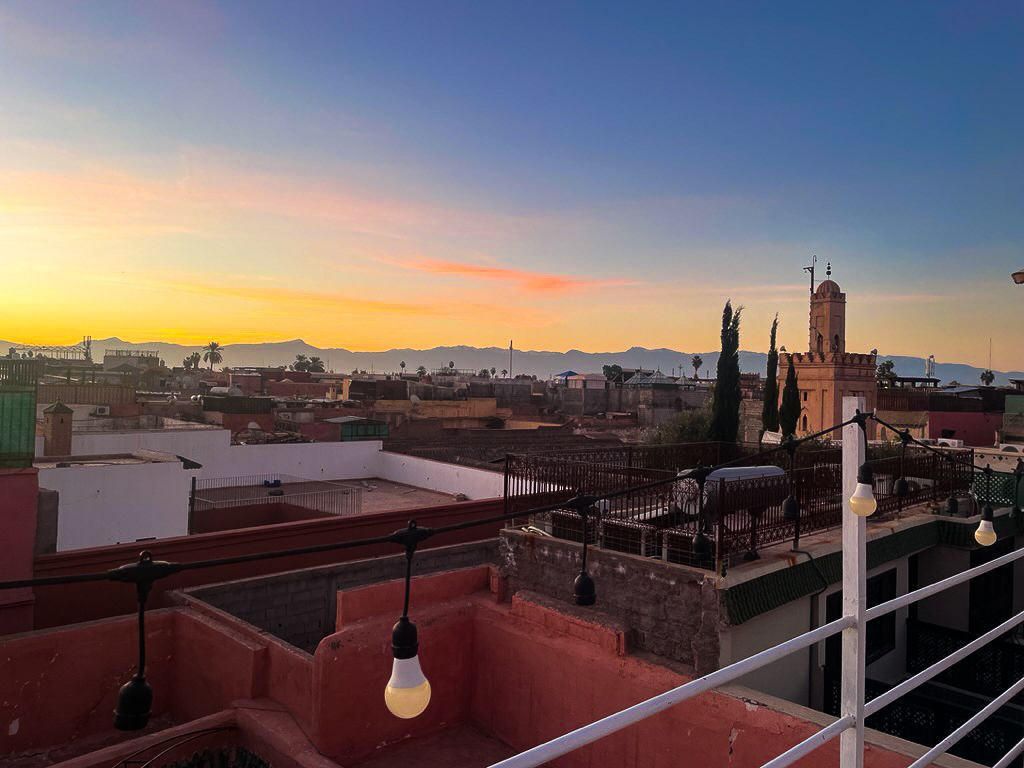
pixel 314 461
pixel 440 476
pixel 105 503
pixel 207 446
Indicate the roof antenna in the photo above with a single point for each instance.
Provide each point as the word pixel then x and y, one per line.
pixel 814 260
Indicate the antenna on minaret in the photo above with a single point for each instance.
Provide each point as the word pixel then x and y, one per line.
pixel 828 269
pixel 814 260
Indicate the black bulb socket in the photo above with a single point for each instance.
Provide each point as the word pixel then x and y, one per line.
pixel 134 705
pixel 865 475
pixel 583 590
pixel 404 640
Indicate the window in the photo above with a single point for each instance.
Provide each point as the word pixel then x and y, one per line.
pixel 805 423
pixel 805 395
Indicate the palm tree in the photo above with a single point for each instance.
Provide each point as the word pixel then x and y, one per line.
pixel 504 373
pixel 301 363
pixel 696 361
pixel 212 354
pixel 421 371
pixel 987 377
pixel 315 365
pixel 451 366
pixel 402 366
pixel 493 371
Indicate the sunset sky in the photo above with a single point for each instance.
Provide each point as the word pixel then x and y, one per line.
pixel 571 175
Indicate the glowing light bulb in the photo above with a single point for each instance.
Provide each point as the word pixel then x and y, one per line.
pixel 985 535
pixel 408 691
pixel 863 503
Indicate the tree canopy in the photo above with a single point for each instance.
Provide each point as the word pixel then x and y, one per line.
pixel 770 411
pixel 789 413
pixel 213 354
pixel 725 407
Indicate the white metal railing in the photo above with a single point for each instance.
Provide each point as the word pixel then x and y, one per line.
pixel 853 709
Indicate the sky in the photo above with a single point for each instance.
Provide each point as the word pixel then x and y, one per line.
pixel 569 175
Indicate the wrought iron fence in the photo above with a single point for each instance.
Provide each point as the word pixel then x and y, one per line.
pixel 333 501
pixel 741 516
pixel 329 497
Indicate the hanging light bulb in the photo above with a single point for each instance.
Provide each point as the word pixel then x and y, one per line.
pixel 408 691
pixel 863 503
pixel 986 533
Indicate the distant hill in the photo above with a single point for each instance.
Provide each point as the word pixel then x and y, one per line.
pixel 538 363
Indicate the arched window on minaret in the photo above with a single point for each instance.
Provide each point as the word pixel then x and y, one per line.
pixel 821 343
pixel 835 343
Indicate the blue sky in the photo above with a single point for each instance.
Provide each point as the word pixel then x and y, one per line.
pixel 589 175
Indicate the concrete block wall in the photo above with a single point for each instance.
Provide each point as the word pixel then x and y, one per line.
pixel 299 606
pixel 672 611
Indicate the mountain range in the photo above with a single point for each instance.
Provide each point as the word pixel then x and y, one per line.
pixel 538 363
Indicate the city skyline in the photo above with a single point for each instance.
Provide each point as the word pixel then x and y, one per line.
pixel 598 178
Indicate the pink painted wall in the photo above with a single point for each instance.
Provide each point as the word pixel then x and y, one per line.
pixel 522 672
pixel 19 489
pixel 526 673
pixel 62 685
pixel 94 600
pixel 975 428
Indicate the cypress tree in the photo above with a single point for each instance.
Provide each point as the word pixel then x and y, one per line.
pixel 789 413
pixel 770 413
pixel 725 408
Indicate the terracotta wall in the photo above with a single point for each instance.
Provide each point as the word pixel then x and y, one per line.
pixel 236 422
pixel 528 672
pixel 60 686
pixel 976 429
pixel 19 489
pixel 69 603
pixel 522 672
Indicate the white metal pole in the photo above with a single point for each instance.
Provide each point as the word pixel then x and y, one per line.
pixel 851 741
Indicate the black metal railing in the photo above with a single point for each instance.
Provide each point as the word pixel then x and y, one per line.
pixel 659 513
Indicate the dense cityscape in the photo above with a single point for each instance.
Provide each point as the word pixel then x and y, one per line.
pixel 414 544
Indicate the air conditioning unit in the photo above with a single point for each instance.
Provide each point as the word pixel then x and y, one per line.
pixel 950 442
pixel 101 410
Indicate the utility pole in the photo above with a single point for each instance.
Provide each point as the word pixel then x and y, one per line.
pixel 851 696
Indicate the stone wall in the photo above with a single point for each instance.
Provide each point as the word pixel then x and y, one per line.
pixel 671 610
pixel 299 606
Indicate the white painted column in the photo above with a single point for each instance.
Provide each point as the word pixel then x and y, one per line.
pixel 851 742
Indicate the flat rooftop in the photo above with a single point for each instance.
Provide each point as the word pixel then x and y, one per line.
pixel 377 495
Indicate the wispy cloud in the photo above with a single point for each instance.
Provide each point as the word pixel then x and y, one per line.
pixel 280 298
pixel 543 283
